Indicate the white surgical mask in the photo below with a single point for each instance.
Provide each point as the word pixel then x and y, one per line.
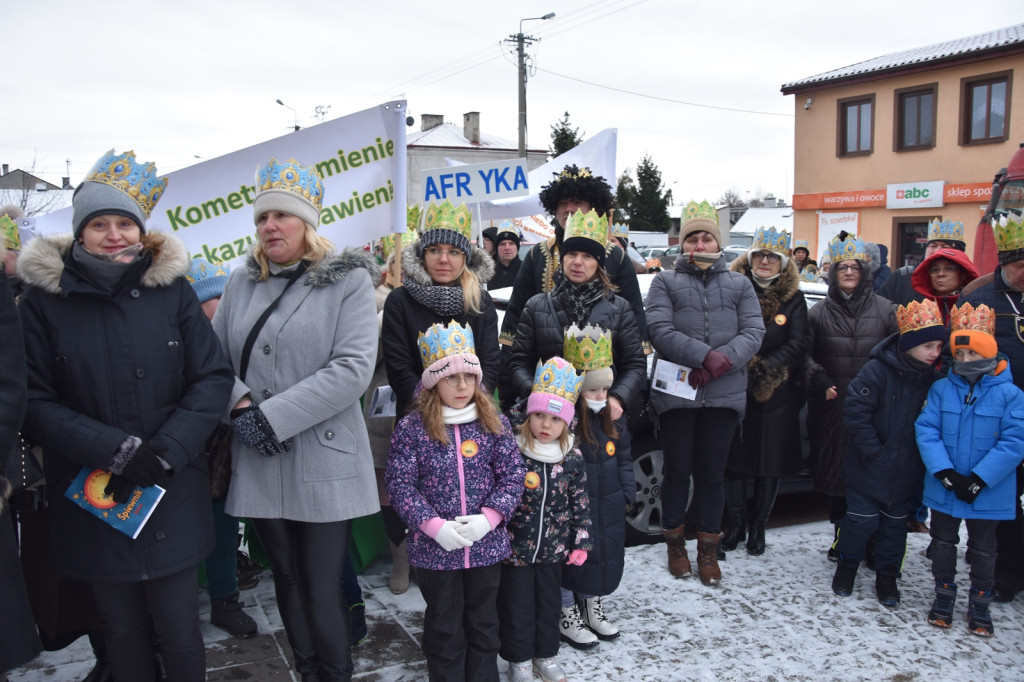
pixel 596 405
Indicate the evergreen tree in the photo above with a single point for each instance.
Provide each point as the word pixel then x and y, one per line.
pixel 564 137
pixel 625 193
pixel 649 201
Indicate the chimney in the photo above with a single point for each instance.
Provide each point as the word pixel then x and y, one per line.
pixel 471 126
pixel 65 183
pixel 431 121
pixel 4 169
pixel 770 201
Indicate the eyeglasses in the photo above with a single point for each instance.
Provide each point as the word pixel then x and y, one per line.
pixel 770 257
pixel 455 380
pixel 848 267
pixel 436 253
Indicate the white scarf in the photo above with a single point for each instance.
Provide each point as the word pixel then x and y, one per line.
pixel 546 453
pixel 596 405
pixel 461 415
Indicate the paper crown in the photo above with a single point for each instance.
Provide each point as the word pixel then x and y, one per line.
pixel 1009 233
pixel 946 231
pixel 770 239
pixel 9 230
pixel 810 274
pixel 447 217
pixel 292 177
pixel 701 211
pixel 918 315
pixel 508 227
pixel 136 179
pixel 558 378
pixel 802 244
pixel 413 215
pixel 588 226
pixel 851 248
pixel 573 173
pixel 968 318
pixel 440 342
pixel 588 348
pixel 387 242
pixel 620 230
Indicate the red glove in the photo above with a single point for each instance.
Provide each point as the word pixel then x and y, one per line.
pixel 717 363
pixel 699 377
pixel 577 557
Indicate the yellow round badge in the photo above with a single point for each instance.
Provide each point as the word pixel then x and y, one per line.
pixel 469 448
pixel 780 319
pixel 532 480
pixel 610 448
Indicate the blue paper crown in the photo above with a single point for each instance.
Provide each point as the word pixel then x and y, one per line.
pixel 851 248
pixel 440 342
pixel 946 231
pixel 291 176
pixel 802 244
pixel 136 179
pixel 508 227
pixel 771 239
pixel 620 230
pixel 557 377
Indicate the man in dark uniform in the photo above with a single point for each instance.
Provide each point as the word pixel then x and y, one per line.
pixel 506 256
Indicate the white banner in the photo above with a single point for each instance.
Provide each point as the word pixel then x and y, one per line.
pixel 472 183
pixel 915 194
pixel 362 158
pixel 831 224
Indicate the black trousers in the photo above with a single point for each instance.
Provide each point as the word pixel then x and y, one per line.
pixel 696 441
pixel 981 540
pixel 460 625
pixel 529 606
pixel 308 560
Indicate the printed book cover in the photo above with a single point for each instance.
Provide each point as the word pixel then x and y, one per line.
pixel 128 517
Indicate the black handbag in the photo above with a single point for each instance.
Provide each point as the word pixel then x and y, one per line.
pixel 24 467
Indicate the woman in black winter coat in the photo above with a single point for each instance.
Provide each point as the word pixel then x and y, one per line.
pixel 765 448
pixel 845 326
pixel 125 374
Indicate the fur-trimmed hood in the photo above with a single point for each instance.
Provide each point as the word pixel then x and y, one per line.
pixel 480 263
pixel 781 290
pixel 41 263
pixel 330 270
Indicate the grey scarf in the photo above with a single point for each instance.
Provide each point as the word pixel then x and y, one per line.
pixel 103 270
pixel 441 299
pixel 972 371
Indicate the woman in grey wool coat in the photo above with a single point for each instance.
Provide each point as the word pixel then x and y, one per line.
pixel 301 462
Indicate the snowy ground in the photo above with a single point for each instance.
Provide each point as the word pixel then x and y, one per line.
pixel 773 618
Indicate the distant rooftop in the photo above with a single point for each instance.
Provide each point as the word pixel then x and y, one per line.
pixel 434 132
pixel 1009 39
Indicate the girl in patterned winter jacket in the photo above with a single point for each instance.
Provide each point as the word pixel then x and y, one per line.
pixel 454 475
pixel 550 527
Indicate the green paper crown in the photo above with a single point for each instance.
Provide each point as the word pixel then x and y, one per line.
pixel 9 229
pixel 448 217
pixel 1009 233
pixel 589 226
pixel 588 348
pixel 701 211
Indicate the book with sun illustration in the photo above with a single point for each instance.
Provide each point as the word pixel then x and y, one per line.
pixel 127 517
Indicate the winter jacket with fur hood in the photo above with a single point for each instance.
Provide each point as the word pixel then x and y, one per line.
pixel 140 361
pixel 310 364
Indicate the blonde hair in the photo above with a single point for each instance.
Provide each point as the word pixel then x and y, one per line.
pixel 529 442
pixel 317 249
pixel 583 427
pixel 428 402
pixel 470 284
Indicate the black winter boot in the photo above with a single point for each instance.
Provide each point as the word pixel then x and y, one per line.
pixel 765 490
pixel 885 586
pixel 735 506
pixel 941 614
pixel 846 574
pixel 979 620
pixel 227 614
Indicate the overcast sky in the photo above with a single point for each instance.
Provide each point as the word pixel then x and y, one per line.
pixel 177 80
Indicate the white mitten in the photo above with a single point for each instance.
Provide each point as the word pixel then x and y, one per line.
pixel 449 538
pixel 473 527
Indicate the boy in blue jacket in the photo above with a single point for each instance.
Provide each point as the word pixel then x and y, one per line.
pixel 881 465
pixel 971 436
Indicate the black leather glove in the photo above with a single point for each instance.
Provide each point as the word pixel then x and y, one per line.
pixel 699 377
pixel 145 468
pixel 119 487
pixel 717 363
pixel 950 479
pixel 252 429
pixel 969 488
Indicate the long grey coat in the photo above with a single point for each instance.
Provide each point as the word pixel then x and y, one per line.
pixel 311 362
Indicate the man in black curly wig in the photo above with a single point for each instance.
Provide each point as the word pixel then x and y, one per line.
pixel 573 189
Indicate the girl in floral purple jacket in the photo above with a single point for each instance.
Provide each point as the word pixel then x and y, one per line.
pixel 551 526
pixel 454 475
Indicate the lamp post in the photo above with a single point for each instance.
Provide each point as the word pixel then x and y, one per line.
pixel 297 126
pixel 521 42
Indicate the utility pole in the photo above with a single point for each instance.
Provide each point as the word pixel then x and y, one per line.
pixel 521 43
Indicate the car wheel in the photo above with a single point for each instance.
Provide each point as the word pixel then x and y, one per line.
pixel 644 519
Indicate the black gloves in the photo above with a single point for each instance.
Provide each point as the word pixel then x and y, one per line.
pixel 966 488
pixel 145 468
pixel 119 487
pixel 950 479
pixel 252 429
pixel 717 363
pixel 820 383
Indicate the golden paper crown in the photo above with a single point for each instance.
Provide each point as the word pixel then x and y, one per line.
pixel 413 215
pixel 810 274
pixel 136 179
pixel 588 225
pixel 588 348
pixel 918 315
pixel 620 230
pixel 292 177
pixel 559 378
pixel 448 217
pixel 572 173
pixel 9 229
pixel 701 211
pixel 770 239
pixel 1009 233
pixel 440 342
pixel 851 248
pixel 968 318
pixel 946 231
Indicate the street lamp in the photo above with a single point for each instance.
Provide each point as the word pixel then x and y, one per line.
pixel 297 126
pixel 521 42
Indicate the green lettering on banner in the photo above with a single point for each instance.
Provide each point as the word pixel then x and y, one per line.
pixel 354 160
pixel 235 200
pixel 193 215
pixel 328 168
pixel 174 217
pixel 368 201
pixel 216 206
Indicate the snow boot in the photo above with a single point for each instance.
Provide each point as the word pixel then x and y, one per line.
pixel 735 506
pixel 707 558
pixel 765 490
pixel 593 615
pixel 941 614
pixel 979 620
pixel 549 670
pixel 574 630
pixel 398 583
pixel 885 586
pixel 520 672
pixel 846 574
pixel 678 562
pixel 227 614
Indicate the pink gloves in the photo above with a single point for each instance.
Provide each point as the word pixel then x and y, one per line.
pixel 577 557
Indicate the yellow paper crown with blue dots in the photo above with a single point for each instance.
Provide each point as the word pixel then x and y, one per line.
pixel 620 230
pixel 701 211
pixel 136 179
pixel 445 341
pixel 292 177
pixel 851 248
pixel 771 239
pixel 557 377
pixel 9 230
pixel 1009 233
pixel 447 216
pixel 946 231
pixel 588 348
pixel 588 225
